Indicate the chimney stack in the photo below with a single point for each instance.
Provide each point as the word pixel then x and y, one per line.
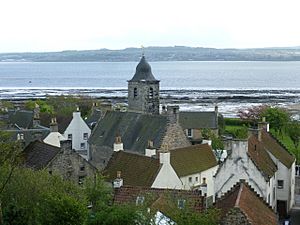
pixel 118 145
pixel 118 182
pixel 150 150
pixel 53 125
pixel 173 113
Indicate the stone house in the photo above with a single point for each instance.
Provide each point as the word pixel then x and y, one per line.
pixel 242 206
pixel 194 122
pixel 188 168
pixel 265 164
pixel 78 132
pixel 62 161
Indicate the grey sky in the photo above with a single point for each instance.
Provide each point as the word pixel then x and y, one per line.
pixel 54 25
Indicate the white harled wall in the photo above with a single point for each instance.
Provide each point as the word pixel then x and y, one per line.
pixel 77 128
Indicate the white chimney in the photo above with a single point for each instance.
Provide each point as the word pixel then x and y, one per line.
pixel 203 187
pixel 118 145
pixel 118 182
pixel 150 150
pixel 164 157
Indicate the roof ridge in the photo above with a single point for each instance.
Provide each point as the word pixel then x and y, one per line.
pixel 237 202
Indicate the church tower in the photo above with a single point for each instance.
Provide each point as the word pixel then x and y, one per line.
pixel 143 90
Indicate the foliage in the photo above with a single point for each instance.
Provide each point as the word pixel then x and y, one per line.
pixel 277 117
pixel 34 194
pixel 293 130
pixel 217 143
pixel 116 215
pixel 252 114
pixel 235 122
pixel 98 193
pixel 210 217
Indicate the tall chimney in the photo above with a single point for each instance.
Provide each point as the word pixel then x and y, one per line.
pixel 36 115
pixel 264 125
pixel 118 145
pixel 173 113
pixel 53 125
pixel 118 182
pixel 150 150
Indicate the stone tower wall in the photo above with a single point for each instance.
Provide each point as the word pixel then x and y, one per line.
pixel 143 102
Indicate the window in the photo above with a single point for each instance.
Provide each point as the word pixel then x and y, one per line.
pixel 82 168
pixel 196 178
pixel 69 136
pixel 81 179
pixel 82 145
pixel 269 198
pixel 273 193
pixel 139 200
pixel 189 132
pixel 135 92
pixel 85 136
pixel 190 179
pixel 181 203
pixel 280 184
pixel 151 92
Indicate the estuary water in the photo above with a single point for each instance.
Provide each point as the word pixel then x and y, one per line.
pixel 192 85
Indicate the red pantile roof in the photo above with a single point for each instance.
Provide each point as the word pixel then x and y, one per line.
pixel 277 149
pixel 257 152
pixel 160 199
pixel 243 197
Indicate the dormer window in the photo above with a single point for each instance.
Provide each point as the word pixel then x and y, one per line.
pixel 151 92
pixel 135 92
pixel 139 200
pixel 181 203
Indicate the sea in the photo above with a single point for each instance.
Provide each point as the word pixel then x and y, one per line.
pixel 192 85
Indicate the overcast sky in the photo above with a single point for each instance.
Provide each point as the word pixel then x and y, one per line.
pixel 55 25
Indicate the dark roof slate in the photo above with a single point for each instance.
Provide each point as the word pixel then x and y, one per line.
pixel 37 155
pixel 134 128
pixel 143 72
pixel 22 118
pixel 136 170
pixel 193 120
pixel 243 197
pixel 192 159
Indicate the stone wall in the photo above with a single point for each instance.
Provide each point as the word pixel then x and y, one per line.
pixel 235 217
pixel 174 137
pixel 71 166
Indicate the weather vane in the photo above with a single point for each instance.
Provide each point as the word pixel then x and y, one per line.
pixel 143 50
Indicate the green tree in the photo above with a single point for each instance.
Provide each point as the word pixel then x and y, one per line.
pixel 293 131
pixel 277 117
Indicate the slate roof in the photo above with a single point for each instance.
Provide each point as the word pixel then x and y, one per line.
pixel 243 197
pixel 193 120
pixel 37 155
pixel 277 149
pixel 257 152
pixel 192 159
pixel 134 128
pixel 163 200
pixel 30 135
pixel 22 118
pixel 136 170
pixel 143 72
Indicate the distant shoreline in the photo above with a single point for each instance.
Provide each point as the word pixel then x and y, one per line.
pixel 156 54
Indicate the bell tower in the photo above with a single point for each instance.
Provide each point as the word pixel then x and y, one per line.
pixel 143 90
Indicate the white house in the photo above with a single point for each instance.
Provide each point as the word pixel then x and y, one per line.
pixel 54 137
pixel 189 168
pixel 79 132
pixel 251 164
pixel 265 164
